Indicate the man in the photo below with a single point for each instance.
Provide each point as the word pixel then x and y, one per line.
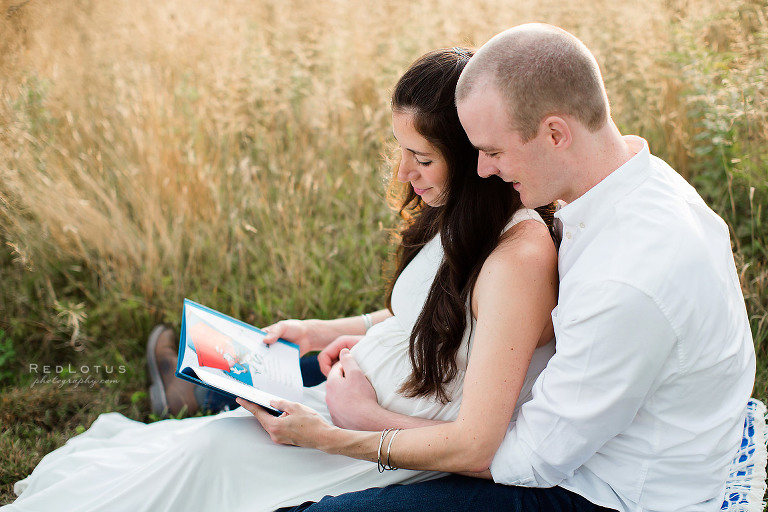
pixel 642 405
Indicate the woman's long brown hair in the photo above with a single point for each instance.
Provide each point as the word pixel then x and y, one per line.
pixel 470 220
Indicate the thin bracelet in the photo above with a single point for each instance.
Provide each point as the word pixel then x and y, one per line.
pixel 388 466
pixel 380 464
pixel 367 320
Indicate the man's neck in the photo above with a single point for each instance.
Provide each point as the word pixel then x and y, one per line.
pixel 598 155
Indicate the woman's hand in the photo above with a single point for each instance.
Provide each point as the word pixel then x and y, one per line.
pixel 315 334
pixel 304 333
pixel 329 356
pixel 298 425
pixel 350 396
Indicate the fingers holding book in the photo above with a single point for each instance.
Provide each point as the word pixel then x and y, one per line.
pixel 299 425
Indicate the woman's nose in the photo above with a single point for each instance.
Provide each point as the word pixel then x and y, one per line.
pixel 404 171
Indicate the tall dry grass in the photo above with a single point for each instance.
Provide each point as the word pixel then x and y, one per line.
pixel 231 152
pixel 165 149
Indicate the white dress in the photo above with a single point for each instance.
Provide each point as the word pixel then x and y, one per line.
pixel 227 461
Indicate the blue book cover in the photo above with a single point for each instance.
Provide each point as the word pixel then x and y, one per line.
pixel 230 356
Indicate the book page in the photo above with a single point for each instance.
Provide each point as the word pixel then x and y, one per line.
pixel 223 381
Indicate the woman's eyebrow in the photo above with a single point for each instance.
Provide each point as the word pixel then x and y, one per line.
pixel 419 153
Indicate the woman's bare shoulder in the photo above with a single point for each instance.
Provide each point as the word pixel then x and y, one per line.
pixel 526 243
pixel 519 277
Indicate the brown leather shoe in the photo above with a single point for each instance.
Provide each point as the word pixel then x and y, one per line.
pixel 168 394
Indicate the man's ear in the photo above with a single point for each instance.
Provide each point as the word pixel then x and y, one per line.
pixel 557 131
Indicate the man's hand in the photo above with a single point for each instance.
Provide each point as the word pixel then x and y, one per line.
pixel 298 425
pixel 330 354
pixel 350 397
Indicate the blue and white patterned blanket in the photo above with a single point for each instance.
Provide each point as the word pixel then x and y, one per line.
pixel 746 481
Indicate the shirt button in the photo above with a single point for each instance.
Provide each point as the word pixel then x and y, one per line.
pixel 581 225
pixel 568 235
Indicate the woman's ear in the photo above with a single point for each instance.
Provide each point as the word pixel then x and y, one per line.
pixel 557 131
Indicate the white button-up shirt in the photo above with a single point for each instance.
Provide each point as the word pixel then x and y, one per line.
pixel 642 405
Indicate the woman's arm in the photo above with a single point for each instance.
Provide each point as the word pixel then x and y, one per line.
pixel 313 334
pixel 351 399
pixel 514 296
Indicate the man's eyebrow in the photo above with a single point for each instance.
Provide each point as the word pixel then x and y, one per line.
pixel 486 149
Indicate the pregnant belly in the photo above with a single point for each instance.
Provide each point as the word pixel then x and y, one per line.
pixel 383 356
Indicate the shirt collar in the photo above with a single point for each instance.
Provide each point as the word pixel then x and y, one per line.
pixel 604 196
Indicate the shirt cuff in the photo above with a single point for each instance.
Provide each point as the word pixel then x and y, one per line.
pixel 512 463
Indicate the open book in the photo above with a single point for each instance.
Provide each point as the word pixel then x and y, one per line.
pixel 229 356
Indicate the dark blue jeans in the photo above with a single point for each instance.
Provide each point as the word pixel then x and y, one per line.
pixel 212 401
pixel 452 493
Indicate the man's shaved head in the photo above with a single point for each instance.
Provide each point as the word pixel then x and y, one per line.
pixel 539 70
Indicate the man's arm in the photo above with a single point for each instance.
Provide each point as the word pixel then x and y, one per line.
pixel 607 361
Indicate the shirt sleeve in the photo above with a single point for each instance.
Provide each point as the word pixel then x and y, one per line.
pixel 609 353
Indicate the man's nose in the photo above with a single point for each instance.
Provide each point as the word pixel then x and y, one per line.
pixel 485 167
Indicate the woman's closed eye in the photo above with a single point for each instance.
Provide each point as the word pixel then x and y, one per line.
pixel 425 163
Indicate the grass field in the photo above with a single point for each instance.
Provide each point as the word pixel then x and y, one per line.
pixel 233 153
